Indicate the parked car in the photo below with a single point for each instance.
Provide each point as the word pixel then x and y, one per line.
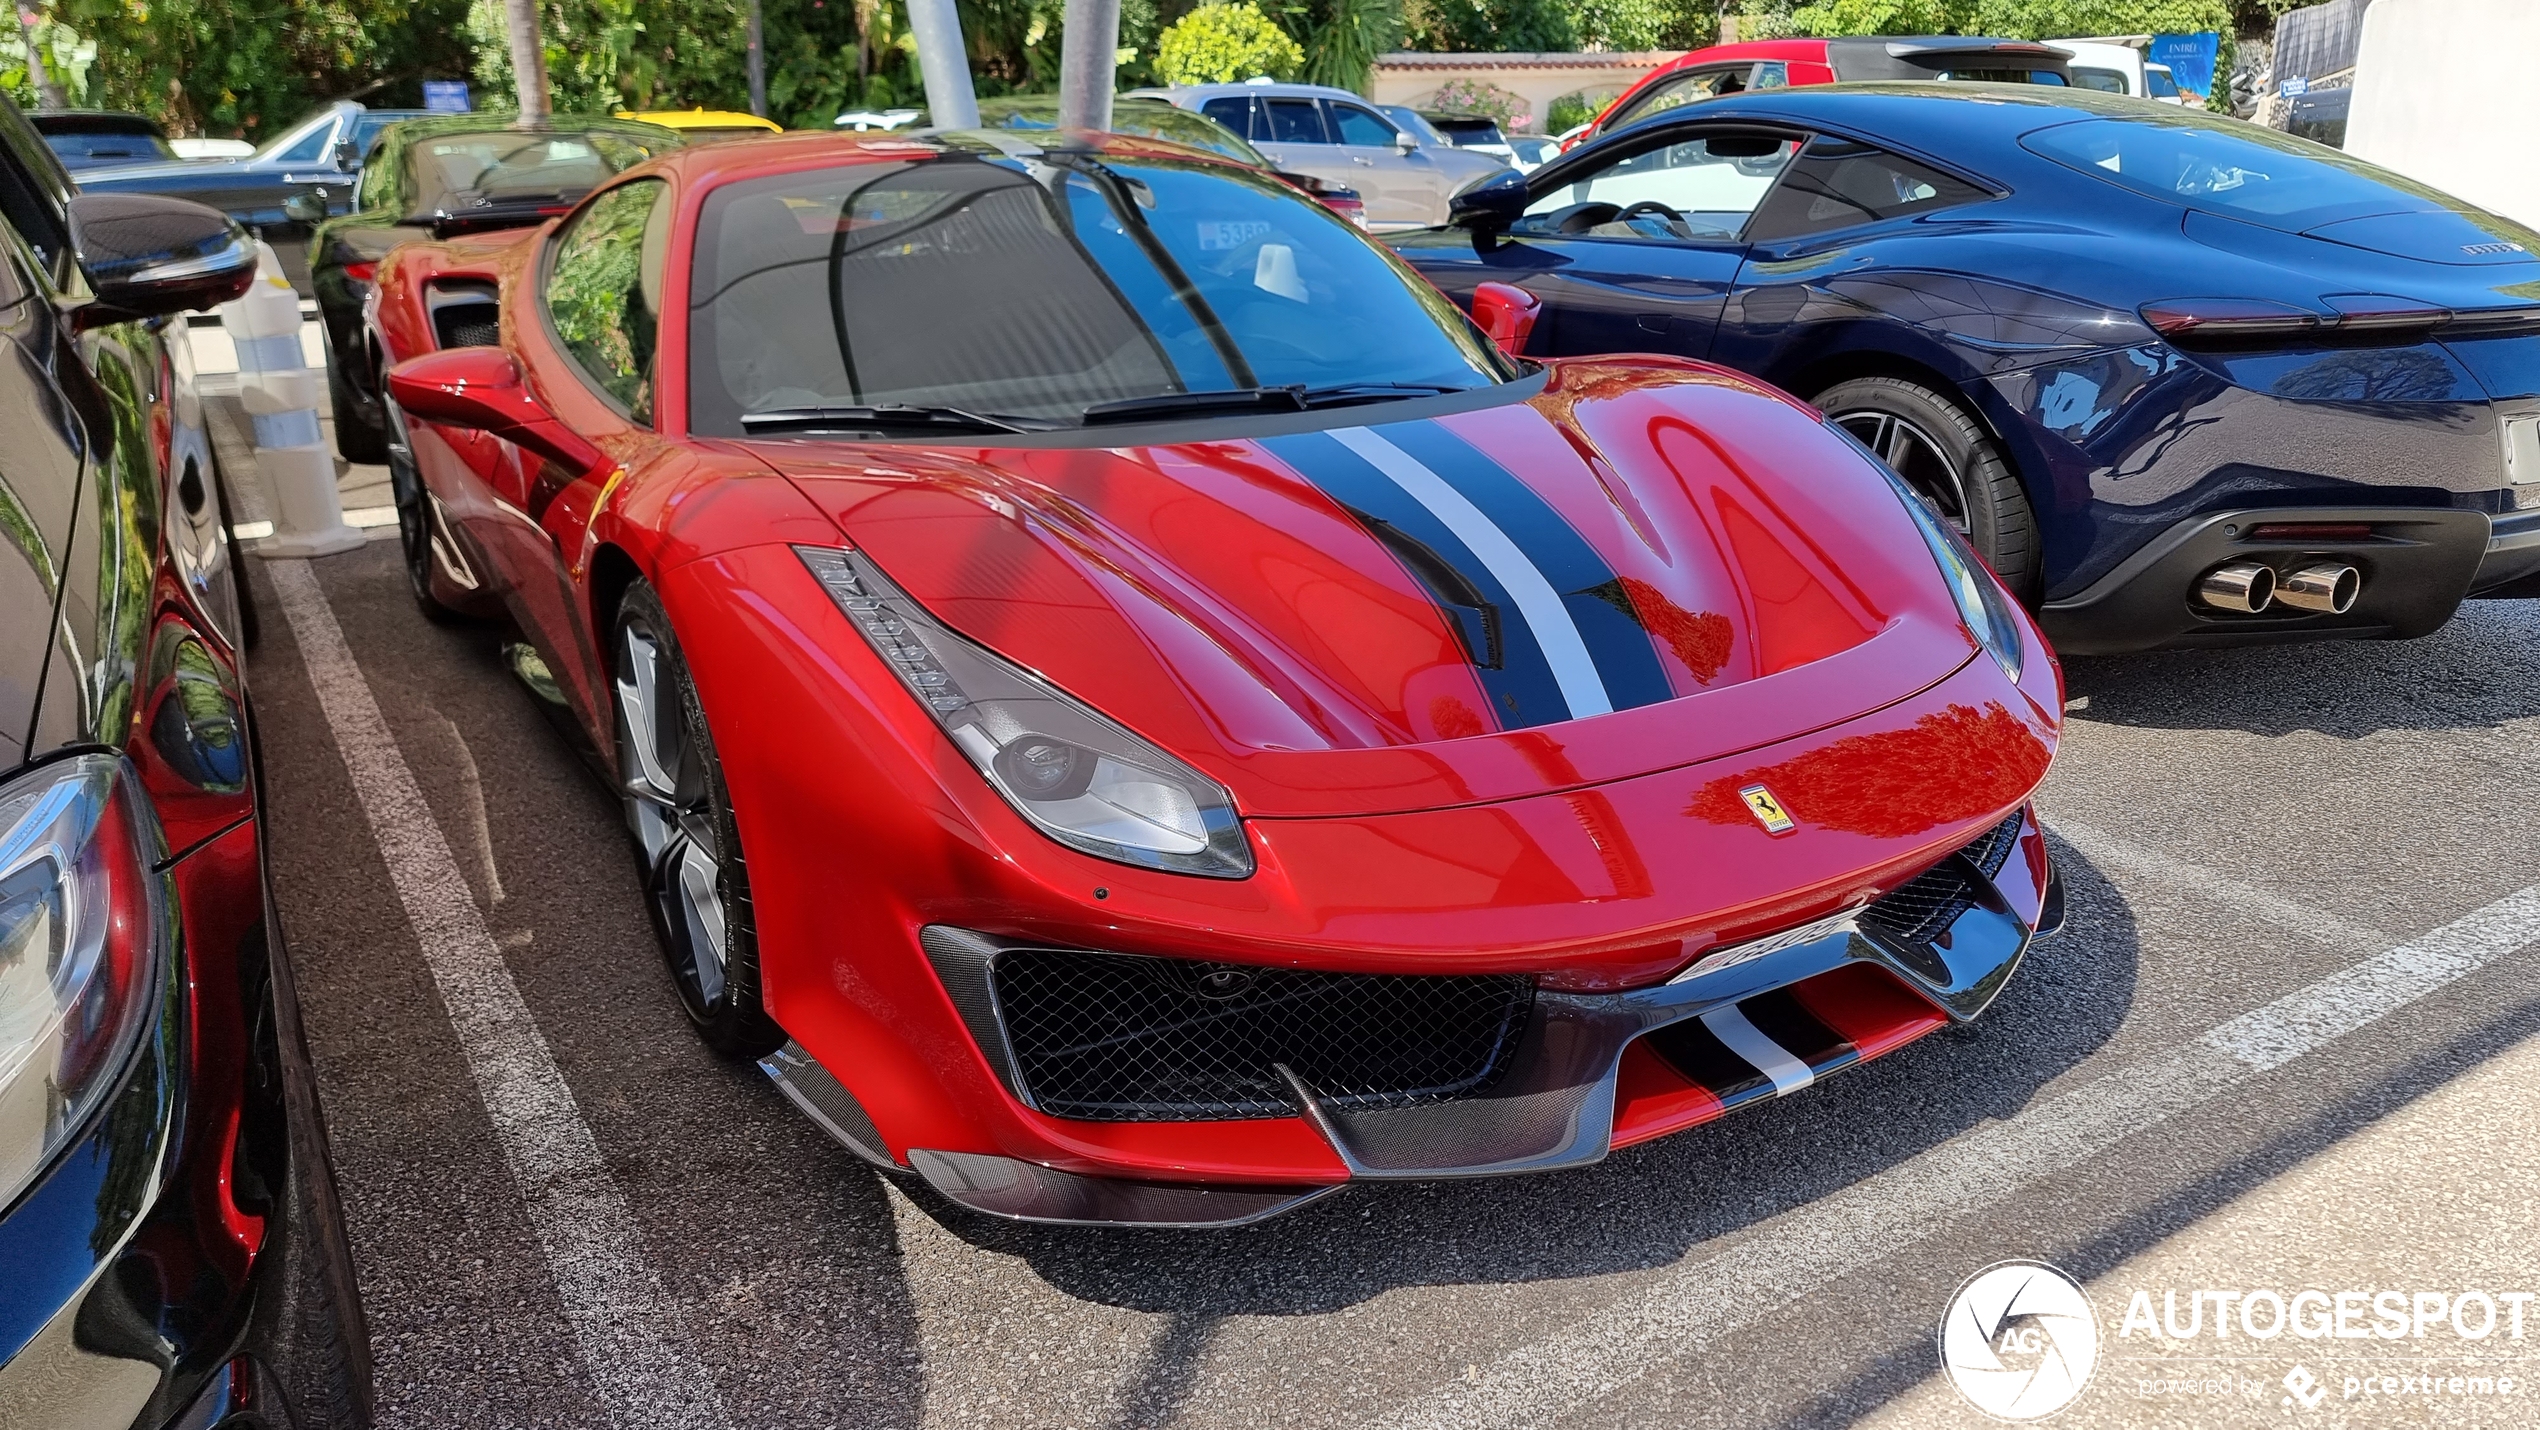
pixel 1782 64
pixel 320 157
pixel 174 1251
pixel 1155 119
pixel 704 126
pixel 1333 134
pixel 2144 357
pixel 2120 67
pixel 101 138
pixel 437 178
pixel 1137 712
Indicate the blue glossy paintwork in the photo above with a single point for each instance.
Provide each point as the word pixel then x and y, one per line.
pixel 2026 307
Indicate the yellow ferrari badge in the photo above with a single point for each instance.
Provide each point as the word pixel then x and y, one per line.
pixel 1767 810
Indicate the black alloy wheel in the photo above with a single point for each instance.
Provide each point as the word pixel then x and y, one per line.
pixel 689 848
pixel 1949 460
pixel 361 429
pixel 420 540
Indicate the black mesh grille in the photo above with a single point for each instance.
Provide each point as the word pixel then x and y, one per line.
pixel 468 325
pixel 1917 911
pixel 1122 1038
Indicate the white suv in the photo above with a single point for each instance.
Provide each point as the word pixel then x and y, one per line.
pixel 1334 134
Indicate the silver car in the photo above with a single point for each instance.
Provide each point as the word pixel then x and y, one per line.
pixel 1334 134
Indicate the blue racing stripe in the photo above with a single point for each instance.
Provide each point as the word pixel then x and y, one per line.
pixel 1505 653
pixel 1626 658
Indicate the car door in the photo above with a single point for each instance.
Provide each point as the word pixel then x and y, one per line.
pixel 1634 248
pixel 1399 182
pixel 1290 129
pixel 40 462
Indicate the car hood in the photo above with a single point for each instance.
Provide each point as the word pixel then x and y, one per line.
pixel 1636 567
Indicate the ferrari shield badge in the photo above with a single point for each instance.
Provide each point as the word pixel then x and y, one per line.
pixel 1767 810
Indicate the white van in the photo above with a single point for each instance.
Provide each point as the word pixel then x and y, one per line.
pixel 2117 66
pixel 2442 94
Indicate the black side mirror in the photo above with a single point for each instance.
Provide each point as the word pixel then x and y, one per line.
pixel 305 207
pixel 147 255
pixel 1491 203
pixel 347 158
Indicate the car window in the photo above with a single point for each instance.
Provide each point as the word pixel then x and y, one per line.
pixel 1989 75
pixel 2104 81
pixel 1294 121
pixel 1039 290
pixel 367 127
pixel 2159 84
pixel 1837 183
pixel 1234 112
pixel 1354 125
pixel 1683 89
pixel 454 172
pixel 95 148
pixel 1771 74
pixel 604 293
pixel 1697 189
pixel 2222 166
pixel 307 148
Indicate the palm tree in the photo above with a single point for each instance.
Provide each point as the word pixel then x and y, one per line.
pixel 1344 42
pixel 529 60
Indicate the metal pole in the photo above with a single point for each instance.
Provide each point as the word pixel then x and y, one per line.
pixel 1087 62
pixel 758 64
pixel 529 60
pixel 943 61
pixel 48 91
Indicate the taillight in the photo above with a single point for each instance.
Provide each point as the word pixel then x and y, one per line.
pixel 2192 322
pixel 361 272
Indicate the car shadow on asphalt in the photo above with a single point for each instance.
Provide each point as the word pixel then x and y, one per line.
pixel 1905 1363
pixel 1642 1208
pixel 2477 672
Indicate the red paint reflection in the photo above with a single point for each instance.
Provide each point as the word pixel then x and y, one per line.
pixel 1949 765
pixel 1701 639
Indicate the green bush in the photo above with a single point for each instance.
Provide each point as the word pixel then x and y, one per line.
pixel 1218 44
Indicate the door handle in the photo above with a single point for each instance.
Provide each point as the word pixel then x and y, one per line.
pixel 1360 159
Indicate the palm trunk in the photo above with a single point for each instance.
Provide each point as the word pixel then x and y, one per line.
pixel 529 60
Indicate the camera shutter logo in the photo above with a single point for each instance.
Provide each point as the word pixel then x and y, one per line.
pixel 2019 1340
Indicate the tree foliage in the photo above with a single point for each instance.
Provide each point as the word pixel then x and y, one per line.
pixel 2010 19
pixel 1220 43
pixel 1342 39
pixel 252 66
pixel 1485 25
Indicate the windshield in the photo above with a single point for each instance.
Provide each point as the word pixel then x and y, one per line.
pixel 2244 172
pixel 2157 82
pixel 1147 118
pixel 457 172
pixel 1038 288
pixel 95 148
pixel 305 145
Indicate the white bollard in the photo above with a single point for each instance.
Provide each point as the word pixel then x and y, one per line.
pixel 280 393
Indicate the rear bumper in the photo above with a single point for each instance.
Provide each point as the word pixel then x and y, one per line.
pixel 2417 564
pixel 2511 567
pixel 1591 1071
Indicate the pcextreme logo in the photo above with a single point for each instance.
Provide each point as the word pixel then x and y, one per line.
pixel 2019 1340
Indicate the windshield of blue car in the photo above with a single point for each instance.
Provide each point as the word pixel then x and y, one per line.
pixel 1038 288
pixel 2241 171
pixel 501 168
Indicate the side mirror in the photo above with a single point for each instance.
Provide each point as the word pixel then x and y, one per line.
pixel 1507 313
pixel 480 390
pixel 347 158
pixel 1495 202
pixel 305 207
pixel 147 255
pixel 1403 141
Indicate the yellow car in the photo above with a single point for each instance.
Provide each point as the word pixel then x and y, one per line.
pixel 704 126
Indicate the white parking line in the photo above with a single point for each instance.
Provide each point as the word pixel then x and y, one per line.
pixel 628 1330
pixel 1788 1257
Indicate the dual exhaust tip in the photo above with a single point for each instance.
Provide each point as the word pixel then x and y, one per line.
pixel 2322 587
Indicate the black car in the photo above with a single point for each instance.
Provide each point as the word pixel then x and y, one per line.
pixel 172 1252
pixel 433 178
pixel 319 157
pixel 86 139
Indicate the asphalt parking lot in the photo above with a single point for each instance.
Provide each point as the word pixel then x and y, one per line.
pixel 2288 1041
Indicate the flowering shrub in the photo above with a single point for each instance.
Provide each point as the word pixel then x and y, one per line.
pixel 1473 96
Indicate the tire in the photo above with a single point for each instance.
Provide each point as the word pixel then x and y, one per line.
pixel 687 845
pixel 1944 454
pixel 414 529
pixel 361 433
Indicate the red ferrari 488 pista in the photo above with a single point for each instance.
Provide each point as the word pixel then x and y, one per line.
pixel 1136 711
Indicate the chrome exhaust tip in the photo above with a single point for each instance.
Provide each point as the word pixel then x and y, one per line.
pixel 2244 586
pixel 2326 586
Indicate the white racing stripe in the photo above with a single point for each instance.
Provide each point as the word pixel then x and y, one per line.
pixel 1731 1026
pixel 1701 1301
pixel 628 1330
pixel 1573 669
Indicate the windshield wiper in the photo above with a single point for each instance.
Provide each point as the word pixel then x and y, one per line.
pixel 1294 397
pixel 885 415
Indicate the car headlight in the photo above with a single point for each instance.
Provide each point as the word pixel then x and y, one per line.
pixel 79 945
pixel 1982 603
pixel 1079 778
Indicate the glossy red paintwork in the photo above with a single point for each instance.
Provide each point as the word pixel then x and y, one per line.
pixel 1208 597
pixel 1805 61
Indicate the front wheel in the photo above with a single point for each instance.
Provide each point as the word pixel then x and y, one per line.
pixel 360 434
pixel 690 849
pixel 1949 460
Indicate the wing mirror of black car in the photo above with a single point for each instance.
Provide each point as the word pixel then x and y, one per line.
pixel 347 158
pixel 305 207
pixel 481 390
pixel 147 255
pixel 1492 203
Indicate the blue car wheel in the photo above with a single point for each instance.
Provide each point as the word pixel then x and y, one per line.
pixel 1950 461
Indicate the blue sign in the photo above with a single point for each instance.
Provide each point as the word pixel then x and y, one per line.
pixel 2190 58
pixel 2293 86
pixel 446 96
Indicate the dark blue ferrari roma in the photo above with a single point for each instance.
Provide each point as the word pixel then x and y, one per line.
pixel 2182 380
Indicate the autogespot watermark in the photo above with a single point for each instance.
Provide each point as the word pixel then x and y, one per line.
pixel 2020 1340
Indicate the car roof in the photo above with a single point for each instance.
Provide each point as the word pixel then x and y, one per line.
pixel 711 165
pixel 1276 91
pixel 1919 112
